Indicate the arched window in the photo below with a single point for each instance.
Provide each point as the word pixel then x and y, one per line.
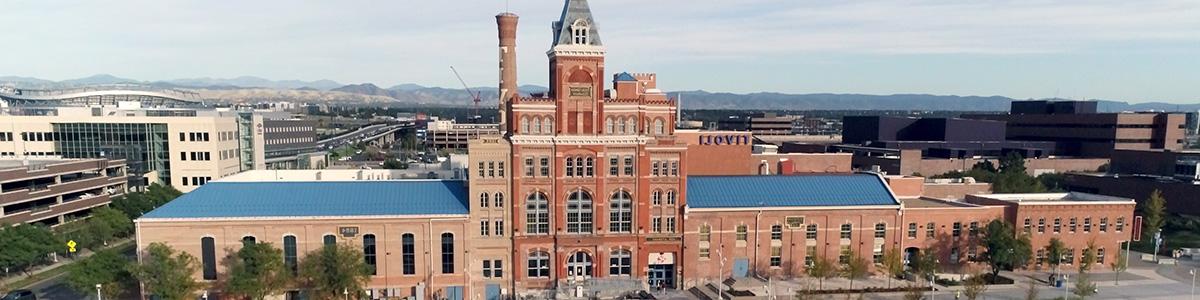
pixel 579 264
pixel 671 197
pixel 483 200
pixel 621 125
pixel 548 125
pixel 539 265
pixel 499 200
pixel 620 213
pixel 408 251
pixel 570 167
pixel 579 168
pixel 289 253
pixel 537 214
pixel 620 263
pixel 536 125
pixel 248 240
pixel 658 127
pixel 656 197
pixel 579 32
pixel 329 240
pixel 369 252
pixel 524 125
pixel 608 126
pixel 208 257
pixel 590 167
pixel 447 253
pixel 631 125
pixel 579 212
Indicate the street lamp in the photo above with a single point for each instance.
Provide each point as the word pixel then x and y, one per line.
pixel 346 293
pixel 98 291
pixel 1193 273
pixel 205 295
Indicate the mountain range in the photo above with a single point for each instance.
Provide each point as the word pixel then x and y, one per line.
pixel 245 89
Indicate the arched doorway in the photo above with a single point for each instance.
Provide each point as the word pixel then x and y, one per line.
pixel 910 256
pixel 579 265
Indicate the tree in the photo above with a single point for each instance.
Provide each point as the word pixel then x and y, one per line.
pixel 822 268
pixel 974 286
pixel 1031 290
pixel 256 271
pixel 1055 252
pixel 856 268
pixel 1089 257
pixel 893 264
pixel 329 271
pixel 107 224
pixel 166 273
pixel 1003 249
pixel 1012 163
pixel 106 268
pixel 1084 287
pixel 1119 265
pixel 925 264
pixel 26 245
pixel 394 164
pixel 1153 215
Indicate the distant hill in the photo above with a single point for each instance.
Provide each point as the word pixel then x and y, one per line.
pixel 249 88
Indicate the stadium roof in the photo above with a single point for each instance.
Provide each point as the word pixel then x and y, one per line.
pixel 218 200
pixel 788 191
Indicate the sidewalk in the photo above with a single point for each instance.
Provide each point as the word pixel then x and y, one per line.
pixel 62 261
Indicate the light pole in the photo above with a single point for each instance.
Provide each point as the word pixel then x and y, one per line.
pixel 205 295
pixel 346 293
pixel 98 291
pixel 721 275
pixel 1193 294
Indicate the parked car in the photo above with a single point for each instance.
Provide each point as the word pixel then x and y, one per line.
pixel 20 295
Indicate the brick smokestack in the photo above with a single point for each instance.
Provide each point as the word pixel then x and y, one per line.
pixel 507 24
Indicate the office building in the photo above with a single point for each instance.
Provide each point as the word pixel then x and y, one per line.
pixel 54 191
pixel 1078 130
pixel 177 143
pixel 762 124
pixel 451 135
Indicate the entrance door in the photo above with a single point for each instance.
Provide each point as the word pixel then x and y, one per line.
pixel 454 293
pixel 741 267
pixel 492 292
pixel 662 275
pixel 579 265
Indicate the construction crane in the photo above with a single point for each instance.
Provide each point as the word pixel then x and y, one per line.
pixel 474 94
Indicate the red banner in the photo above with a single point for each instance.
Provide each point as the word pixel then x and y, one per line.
pixel 1137 228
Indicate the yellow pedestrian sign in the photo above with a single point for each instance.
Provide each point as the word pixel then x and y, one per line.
pixel 71 246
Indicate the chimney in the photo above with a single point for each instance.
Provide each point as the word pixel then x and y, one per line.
pixel 507 24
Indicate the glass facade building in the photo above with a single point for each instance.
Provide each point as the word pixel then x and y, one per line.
pixel 143 145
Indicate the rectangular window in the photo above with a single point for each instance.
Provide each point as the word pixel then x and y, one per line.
pixel 545 166
pixel 487 269
pixel 491 169
pixel 880 230
pixel 656 224
pixel 654 168
pixel 629 165
pixel 499 227
pixel 369 252
pixel 704 252
pixel 613 166
pixel 844 254
pixel 408 254
pixel 497 268
pixel 570 167
pixel 809 251
pixel 974 228
pixel 956 229
pixel 500 169
pixel 1057 225
pixel 776 256
pixel 912 230
pixel 1120 224
pixel 528 167
pixel 930 229
pixel 183 156
pixel 1073 224
pixel 181 136
pixel 1103 224
pixel 671 224
pixel 675 168
pixel 447 253
pixel 1087 225
pixel 484 225
pixel 1028 227
pixel 847 230
pixel 810 233
pixel 741 233
pixel 1041 225
pixel 208 257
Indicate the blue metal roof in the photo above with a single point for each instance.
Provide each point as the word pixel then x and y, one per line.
pixel 787 191
pixel 625 76
pixel 318 199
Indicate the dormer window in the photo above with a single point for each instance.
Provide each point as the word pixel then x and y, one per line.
pixel 579 32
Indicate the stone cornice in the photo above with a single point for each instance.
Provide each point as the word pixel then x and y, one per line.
pixel 579 140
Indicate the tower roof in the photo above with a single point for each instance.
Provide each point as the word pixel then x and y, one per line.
pixel 575 12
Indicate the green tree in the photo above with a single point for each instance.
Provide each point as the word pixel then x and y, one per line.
pixel 1088 259
pixel 1055 252
pixel 925 264
pixel 856 268
pixel 394 164
pixel 328 271
pixel 1154 212
pixel 166 273
pixel 26 245
pixel 107 224
pixel 1119 265
pixel 1003 250
pixel 106 268
pixel 256 271
pixel 822 268
pixel 974 286
pixel 1084 287
pixel 893 264
pixel 1012 163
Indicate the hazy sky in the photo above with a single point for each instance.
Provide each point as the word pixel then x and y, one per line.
pixel 1144 50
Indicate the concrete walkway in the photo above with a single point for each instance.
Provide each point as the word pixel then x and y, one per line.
pixel 14 276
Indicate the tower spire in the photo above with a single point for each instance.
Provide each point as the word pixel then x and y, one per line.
pixel 576 25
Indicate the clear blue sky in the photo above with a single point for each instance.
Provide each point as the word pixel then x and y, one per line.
pixel 1138 51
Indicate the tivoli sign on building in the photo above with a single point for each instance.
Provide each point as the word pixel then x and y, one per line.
pixel 729 139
